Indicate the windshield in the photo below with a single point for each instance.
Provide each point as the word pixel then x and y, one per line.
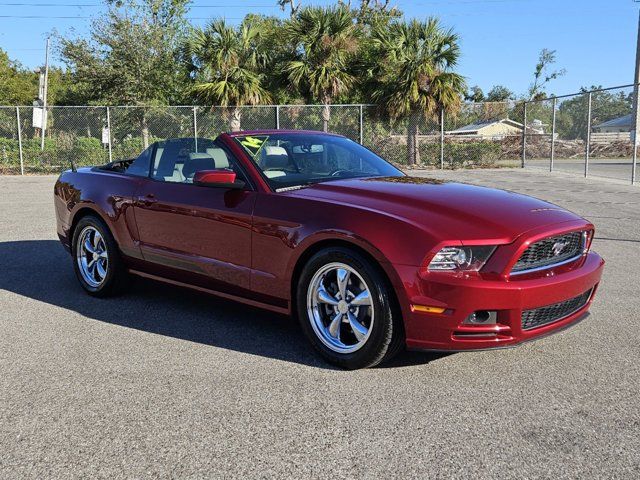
pixel 296 159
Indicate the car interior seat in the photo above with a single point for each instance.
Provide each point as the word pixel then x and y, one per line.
pixel 219 156
pixel 275 161
pixel 197 161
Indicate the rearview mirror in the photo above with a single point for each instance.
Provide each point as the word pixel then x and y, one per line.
pixel 222 178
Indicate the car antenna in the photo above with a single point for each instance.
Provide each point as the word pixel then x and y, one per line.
pixel 73 166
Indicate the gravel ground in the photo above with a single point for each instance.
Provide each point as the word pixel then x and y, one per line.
pixel 169 383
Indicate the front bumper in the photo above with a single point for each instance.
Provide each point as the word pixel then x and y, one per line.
pixel 463 294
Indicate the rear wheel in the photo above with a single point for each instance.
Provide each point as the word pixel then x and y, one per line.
pixel 345 308
pixel 96 259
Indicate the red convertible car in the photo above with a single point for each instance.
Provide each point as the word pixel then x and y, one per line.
pixel 315 225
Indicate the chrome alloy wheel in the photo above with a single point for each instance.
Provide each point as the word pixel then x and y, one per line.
pixel 92 256
pixel 340 307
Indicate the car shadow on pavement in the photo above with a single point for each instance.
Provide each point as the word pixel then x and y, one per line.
pixel 42 270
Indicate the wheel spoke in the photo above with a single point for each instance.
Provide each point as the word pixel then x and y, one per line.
pixel 343 278
pixel 334 326
pixel 91 268
pixel 362 298
pixel 88 247
pixel 325 297
pixel 359 330
pixel 84 262
pixel 102 272
pixel 97 238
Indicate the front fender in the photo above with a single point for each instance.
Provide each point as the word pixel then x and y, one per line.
pixel 286 227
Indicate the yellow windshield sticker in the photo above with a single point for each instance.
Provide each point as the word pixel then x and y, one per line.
pixel 253 145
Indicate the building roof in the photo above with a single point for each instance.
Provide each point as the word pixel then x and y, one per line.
pixel 477 126
pixel 625 121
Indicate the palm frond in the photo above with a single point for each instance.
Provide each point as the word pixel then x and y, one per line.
pixel 414 71
pixel 228 64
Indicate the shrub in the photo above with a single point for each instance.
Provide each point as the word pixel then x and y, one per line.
pixel 9 156
pixel 480 153
pixel 87 151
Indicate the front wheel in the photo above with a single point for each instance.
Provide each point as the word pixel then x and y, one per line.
pixel 345 308
pixel 96 258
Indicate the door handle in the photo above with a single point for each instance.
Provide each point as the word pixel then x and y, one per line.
pixel 147 199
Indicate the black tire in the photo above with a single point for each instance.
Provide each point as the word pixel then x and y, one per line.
pixel 117 278
pixel 386 337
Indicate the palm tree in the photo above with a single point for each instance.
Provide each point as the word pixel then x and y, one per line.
pixel 324 40
pixel 412 75
pixel 228 66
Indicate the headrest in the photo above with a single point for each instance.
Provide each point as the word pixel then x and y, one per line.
pixel 274 150
pixel 198 161
pixel 199 156
pixel 275 157
pixel 219 156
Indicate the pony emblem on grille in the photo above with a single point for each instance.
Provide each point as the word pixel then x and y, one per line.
pixel 558 247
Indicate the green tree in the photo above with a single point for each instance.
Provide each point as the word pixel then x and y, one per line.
pixel 414 74
pixel 292 4
pixel 572 122
pixel 370 15
pixel 228 66
pixel 18 86
pixel 499 93
pixel 475 95
pixel 542 76
pixel 131 56
pixel 324 41
pixel 275 52
pixel 374 12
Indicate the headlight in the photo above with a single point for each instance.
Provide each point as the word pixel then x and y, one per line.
pixel 467 259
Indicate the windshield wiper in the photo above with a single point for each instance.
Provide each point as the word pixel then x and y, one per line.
pixel 292 187
pixel 316 181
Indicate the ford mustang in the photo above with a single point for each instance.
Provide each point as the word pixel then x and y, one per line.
pixel 314 225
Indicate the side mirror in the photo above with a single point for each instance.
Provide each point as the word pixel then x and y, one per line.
pixel 222 178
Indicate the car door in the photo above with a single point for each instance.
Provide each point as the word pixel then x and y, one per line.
pixel 195 234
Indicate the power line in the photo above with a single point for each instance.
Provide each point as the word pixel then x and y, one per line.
pixel 43 16
pixel 99 5
pixel 81 17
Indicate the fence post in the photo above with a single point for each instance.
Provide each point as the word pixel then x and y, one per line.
pixel 524 136
pixel 553 134
pixel 441 138
pixel 109 134
pixel 361 125
pixel 634 137
pixel 20 140
pixel 588 141
pixel 195 128
pixel 277 117
pixel 636 126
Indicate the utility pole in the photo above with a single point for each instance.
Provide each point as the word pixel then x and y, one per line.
pixel 636 110
pixel 44 96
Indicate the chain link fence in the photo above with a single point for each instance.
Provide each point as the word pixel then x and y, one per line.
pixel 97 135
pixel 589 133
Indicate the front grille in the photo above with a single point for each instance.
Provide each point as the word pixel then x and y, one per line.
pixel 550 251
pixel 538 317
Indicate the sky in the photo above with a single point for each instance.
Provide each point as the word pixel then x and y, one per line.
pixel 594 40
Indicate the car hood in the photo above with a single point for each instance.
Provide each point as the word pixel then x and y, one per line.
pixel 444 209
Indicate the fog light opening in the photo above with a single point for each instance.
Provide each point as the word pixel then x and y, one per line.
pixel 482 317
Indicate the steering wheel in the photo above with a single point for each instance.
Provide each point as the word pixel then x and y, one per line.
pixel 337 172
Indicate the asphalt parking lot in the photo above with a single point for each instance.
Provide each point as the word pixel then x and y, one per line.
pixel 168 383
pixel 611 168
